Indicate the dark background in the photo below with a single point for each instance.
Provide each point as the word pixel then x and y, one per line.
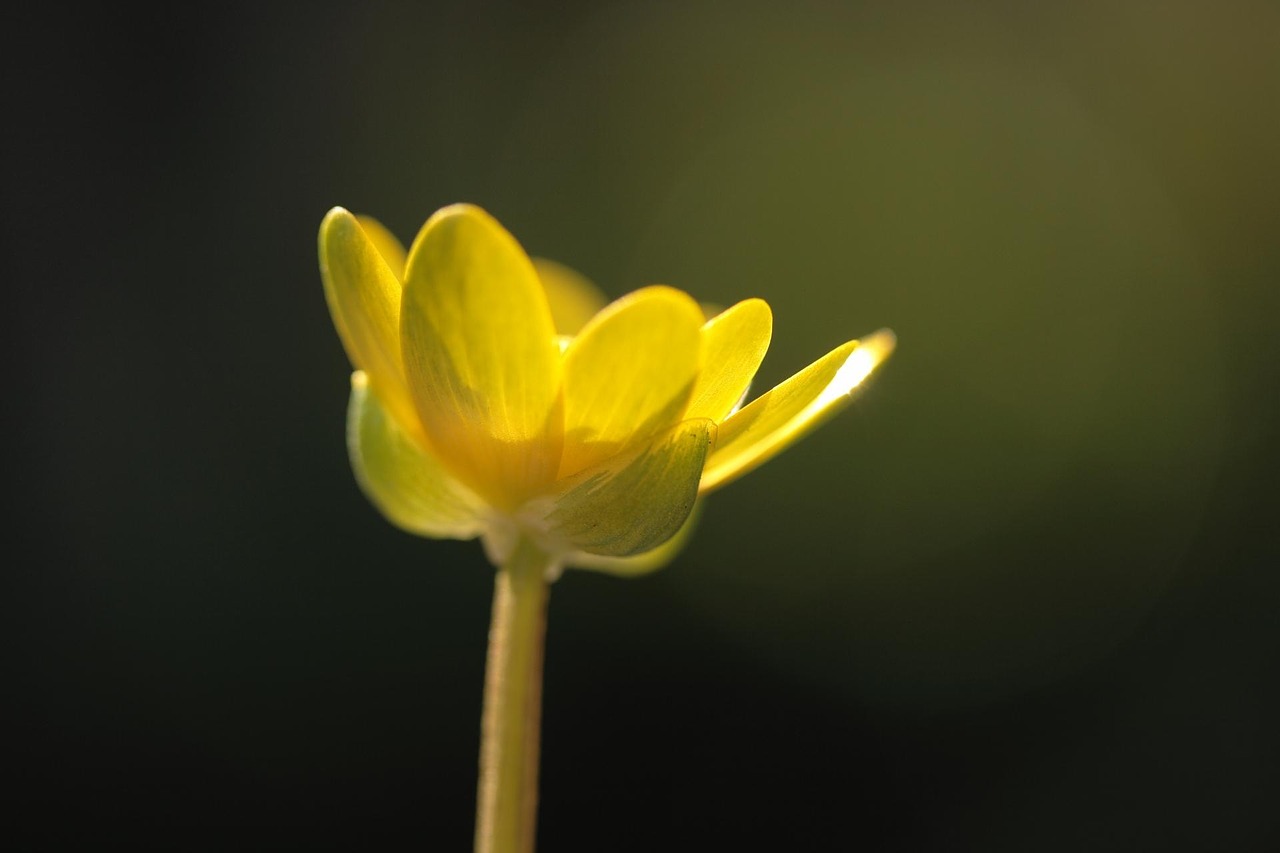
pixel 1022 596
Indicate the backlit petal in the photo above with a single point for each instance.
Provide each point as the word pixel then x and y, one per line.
pixel 629 373
pixel 364 300
pixel 573 298
pixel 405 483
pixel 386 243
pixel 643 563
pixel 784 415
pixel 481 356
pixel 635 501
pixel 733 345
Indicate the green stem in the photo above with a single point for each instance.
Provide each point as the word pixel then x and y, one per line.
pixel 507 801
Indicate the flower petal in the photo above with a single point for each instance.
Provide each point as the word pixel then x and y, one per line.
pixel 645 562
pixel 629 373
pixel 405 483
pixel 364 300
pixel 791 410
pixel 573 298
pixel 733 345
pixel 635 501
pixel 386 243
pixel 481 356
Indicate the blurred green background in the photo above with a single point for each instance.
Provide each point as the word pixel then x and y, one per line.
pixel 1021 596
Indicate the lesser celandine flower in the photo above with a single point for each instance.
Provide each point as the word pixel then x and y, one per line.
pixel 499 397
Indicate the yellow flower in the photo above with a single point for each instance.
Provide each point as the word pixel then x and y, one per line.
pixel 497 396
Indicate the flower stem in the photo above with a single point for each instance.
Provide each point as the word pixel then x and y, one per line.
pixel 507 800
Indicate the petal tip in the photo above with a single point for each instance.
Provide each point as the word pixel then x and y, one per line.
pixel 335 215
pixel 461 210
pixel 882 342
pixel 755 308
pixel 666 291
pixel 338 224
pixel 865 355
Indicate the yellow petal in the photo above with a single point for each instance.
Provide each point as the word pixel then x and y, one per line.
pixel 635 501
pixel 573 298
pixel 629 373
pixel 364 300
pixel 481 356
pixel 790 411
pixel 733 345
pixel 386 243
pixel 643 563
pixel 404 482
